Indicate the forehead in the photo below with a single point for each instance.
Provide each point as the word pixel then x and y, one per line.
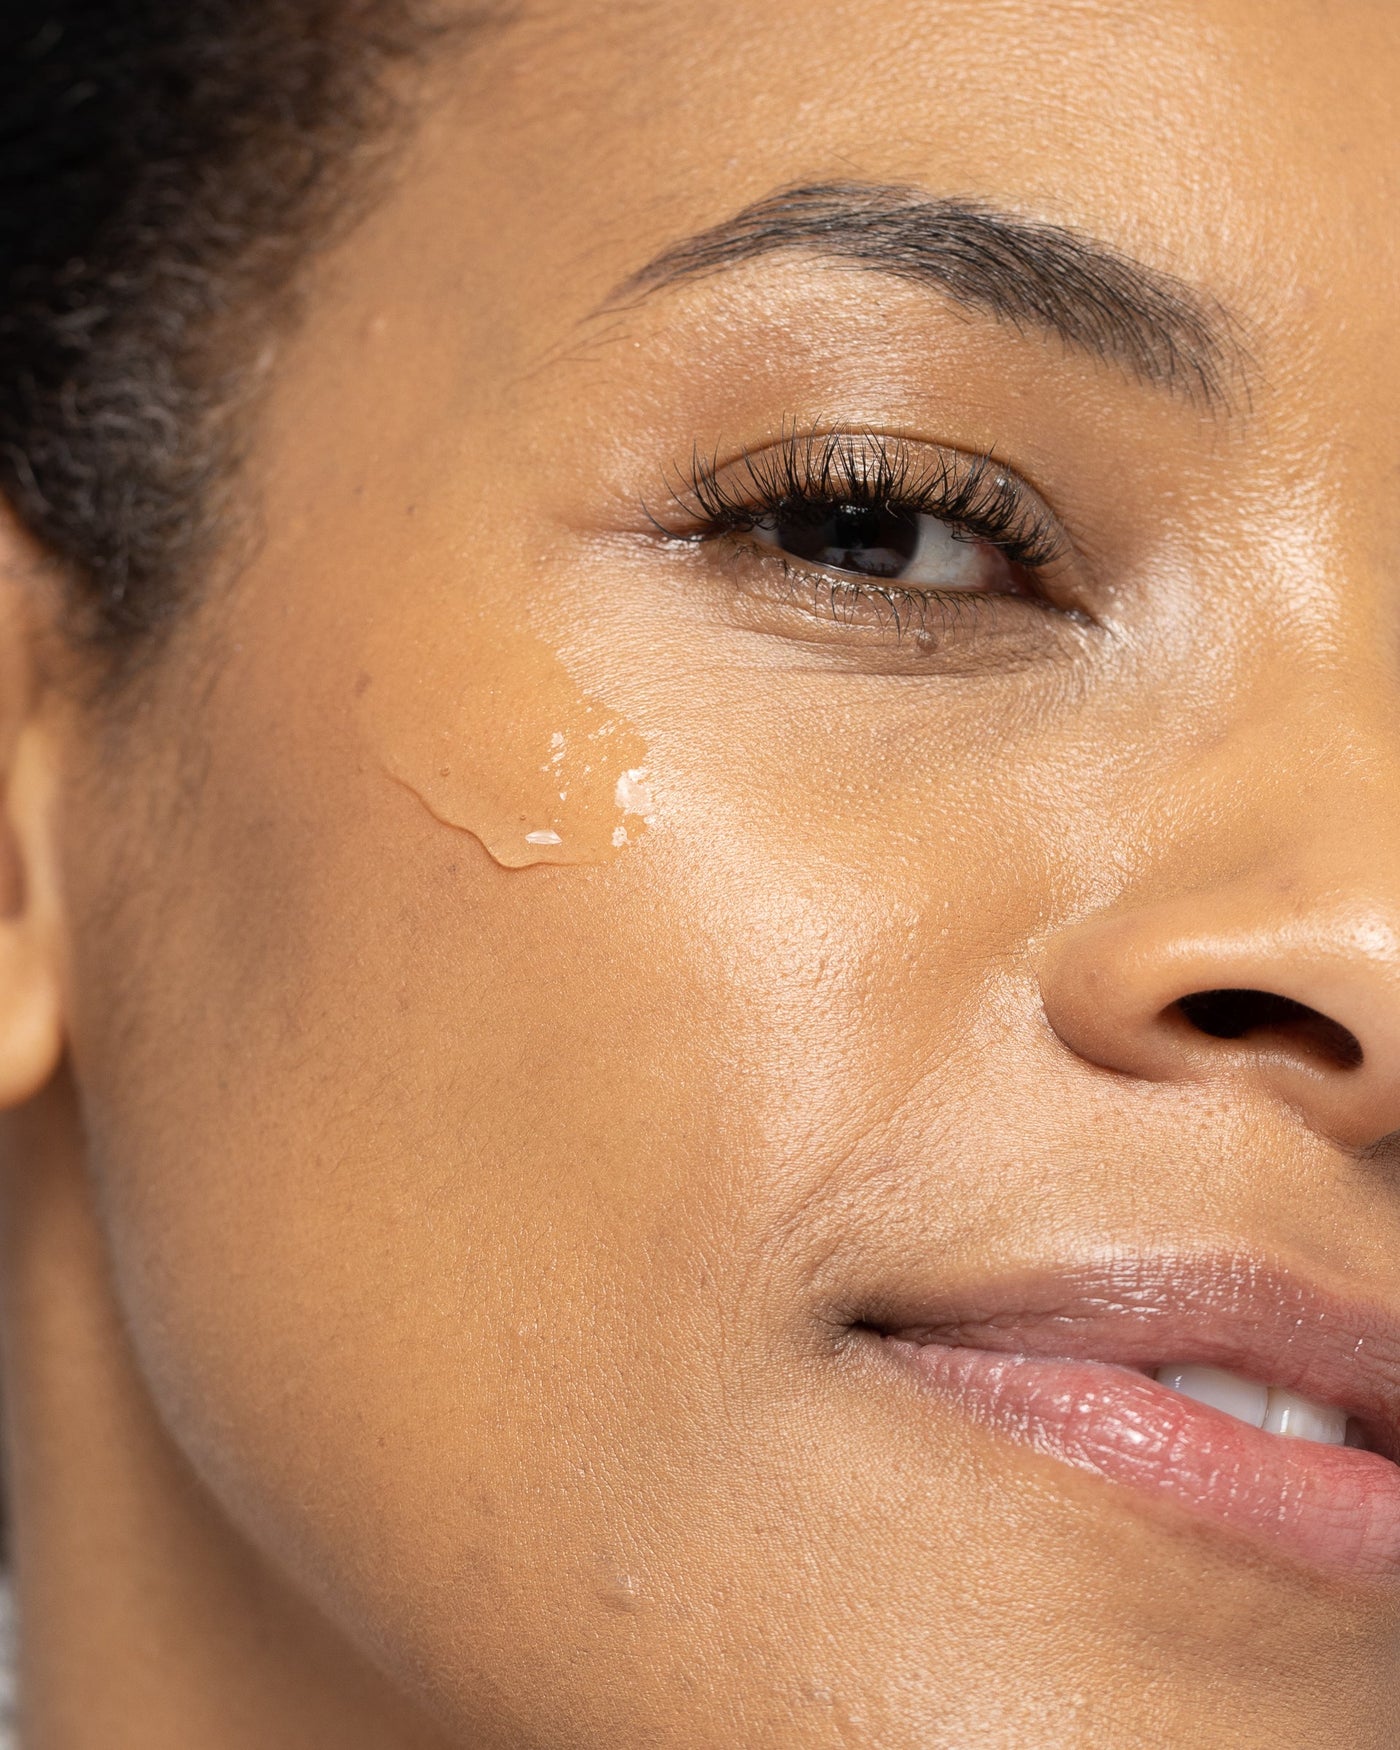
pixel 1250 146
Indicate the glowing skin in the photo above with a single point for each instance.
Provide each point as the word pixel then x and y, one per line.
pixel 455 1305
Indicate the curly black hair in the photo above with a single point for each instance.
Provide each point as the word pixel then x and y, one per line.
pixel 163 166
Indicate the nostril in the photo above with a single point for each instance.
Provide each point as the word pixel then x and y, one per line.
pixel 1261 1016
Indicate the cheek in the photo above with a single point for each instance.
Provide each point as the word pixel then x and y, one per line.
pixel 401 1089
pixel 425 1177
pixel 481 1231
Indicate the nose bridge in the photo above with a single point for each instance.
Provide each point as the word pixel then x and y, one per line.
pixel 1298 790
pixel 1260 937
pixel 1309 770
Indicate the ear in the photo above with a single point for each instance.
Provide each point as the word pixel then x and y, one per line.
pixel 31 1007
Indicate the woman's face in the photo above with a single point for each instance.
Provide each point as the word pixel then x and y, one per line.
pixel 618 966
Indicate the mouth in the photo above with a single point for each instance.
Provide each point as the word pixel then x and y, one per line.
pixel 1232 1390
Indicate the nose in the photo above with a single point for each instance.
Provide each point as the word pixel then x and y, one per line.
pixel 1297 999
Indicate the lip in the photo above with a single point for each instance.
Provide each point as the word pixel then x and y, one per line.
pixel 1057 1362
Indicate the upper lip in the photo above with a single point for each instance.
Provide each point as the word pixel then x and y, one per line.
pixel 1255 1319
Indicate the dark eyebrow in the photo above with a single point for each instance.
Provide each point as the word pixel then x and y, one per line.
pixel 1024 272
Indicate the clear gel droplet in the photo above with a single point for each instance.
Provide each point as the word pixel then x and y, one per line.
pixel 492 734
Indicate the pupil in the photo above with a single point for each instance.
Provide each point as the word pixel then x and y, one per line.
pixel 866 538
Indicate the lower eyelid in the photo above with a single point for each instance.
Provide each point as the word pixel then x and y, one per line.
pixel 875 627
pixel 837 596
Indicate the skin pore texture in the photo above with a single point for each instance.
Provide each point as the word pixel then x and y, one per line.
pixel 446 1301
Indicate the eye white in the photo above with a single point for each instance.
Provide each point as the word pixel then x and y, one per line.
pixel 942 561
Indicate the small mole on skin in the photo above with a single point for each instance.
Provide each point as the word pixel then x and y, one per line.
pixel 363 682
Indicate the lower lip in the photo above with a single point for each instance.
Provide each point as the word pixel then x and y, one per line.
pixel 1337 1507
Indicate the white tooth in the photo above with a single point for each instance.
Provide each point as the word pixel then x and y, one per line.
pixel 1289 1414
pixel 1237 1397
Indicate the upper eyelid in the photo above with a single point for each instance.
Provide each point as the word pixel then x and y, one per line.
pixel 801 463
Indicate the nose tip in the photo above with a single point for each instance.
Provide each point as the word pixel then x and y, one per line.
pixel 1303 1009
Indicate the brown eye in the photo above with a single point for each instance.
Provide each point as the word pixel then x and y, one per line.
pixel 886 542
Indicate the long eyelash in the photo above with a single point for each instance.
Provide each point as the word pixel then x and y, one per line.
pixel 807 471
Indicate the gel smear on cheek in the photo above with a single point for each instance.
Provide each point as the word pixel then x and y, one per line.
pixel 502 744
